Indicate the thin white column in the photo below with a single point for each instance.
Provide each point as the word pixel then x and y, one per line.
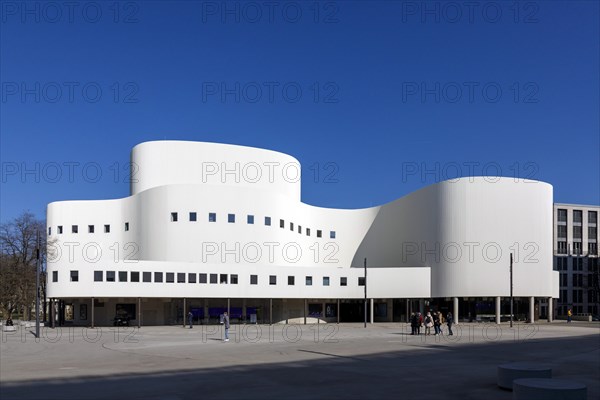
pixel 550 310
pixel 372 316
pixel 531 309
pixel 455 310
pixel 498 310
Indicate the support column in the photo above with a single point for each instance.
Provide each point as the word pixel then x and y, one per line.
pixel 531 309
pixel 390 310
pixel 305 307
pixel 338 311
pixel 407 311
pixel 229 307
pixel 550 310
pixel 498 300
pixel 455 310
pixel 183 312
pixel 270 311
pixel 139 312
pixel 244 311
pixel 53 313
pixel 422 306
pixel 206 318
pixel 371 308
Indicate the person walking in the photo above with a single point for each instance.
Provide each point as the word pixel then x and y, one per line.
pixel 569 315
pixel 420 322
pixel 428 323
pixel 414 321
pixel 226 326
pixel 191 319
pixel 449 321
pixel 436 323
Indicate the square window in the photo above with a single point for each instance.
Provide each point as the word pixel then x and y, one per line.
pixel 98 276
pixel 174 217
pixel 231 218
pixel 135 276
pixel 268 221
pixel 254 279
pixel 193 217
pixel 60 230
pixel 213 278
pixel 291 280
pixel 223 278
pixel 180 277
pixel 126 226
pixel 90 228
pixel 309 281
pixel 54 276
pixel 291 226
pixel 250 219
pixel 170 277
pixel 234 279
pixel 343 281
pixel 331 234
pixel 191 278
pixel 122 276
pixel 361 281
pixel 272 280
pixel 49 231
pixel 325 281
pixel 202 278
pixel 319 233
pixel 110 276
pixel 74 276
pixel 147 276
pixel 74 228
pixel 106 228
pixel 299 229
pixel 158 277
pixel 281 223
pixel 212 217
pixel 307 231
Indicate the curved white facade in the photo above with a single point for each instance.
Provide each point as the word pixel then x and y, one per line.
pixel 451 239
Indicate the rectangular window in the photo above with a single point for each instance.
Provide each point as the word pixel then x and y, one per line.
pixel 135 276
pixel 147 276
pixel 90 228
pixel 223 278
pixel 191 278
pixel 576 231
pixel 561 247
pixel 592 217
pixel 106 228
pixel 180 277
pixel 110 276
pixel 343 281
pixel 291 226
pixel 234 279
pixel 74 276
pixel 250 219
pixel 299 229
pixel 74 228
pixel 60 229
pixel 174 217
pixel 254 279
pixel 577 247
pixel 126 226
pixel 561 231
pixel 592 232
pixel 272 280
pixel 213 278
pixel 325 281
pixel 268 221
pixel 577 216
pixel 212 217
pixel 98 276
pixel 562 215
pixel 202 278
pixel 54 276
pixel 331 234
pixel 281 223
pixel 307 231
pixel 319 233
pixel 361 281
pixel 593 249
pixel 193 217
pixel 291 280
pixel 49 230
pixel 122 276
pixel 309 281
pixel 158 277
pixel 231 218
pixel 170 277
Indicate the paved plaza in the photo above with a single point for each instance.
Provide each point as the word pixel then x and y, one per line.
pixel 288 361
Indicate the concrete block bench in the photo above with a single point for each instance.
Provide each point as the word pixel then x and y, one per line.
pixel 548 389
pixel 507 373
pixel 9 328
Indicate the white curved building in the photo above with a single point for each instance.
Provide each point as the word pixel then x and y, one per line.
pixel 212 226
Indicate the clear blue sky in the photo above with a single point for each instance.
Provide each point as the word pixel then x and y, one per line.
pixel 386 88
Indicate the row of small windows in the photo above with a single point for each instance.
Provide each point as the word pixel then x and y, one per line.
pixel 231 218
pixel 182 277
pixel 90 229
pixel 577 216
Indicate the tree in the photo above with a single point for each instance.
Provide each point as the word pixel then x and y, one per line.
pixel 18 257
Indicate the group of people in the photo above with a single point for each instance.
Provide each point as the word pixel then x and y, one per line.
pixel 435 321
